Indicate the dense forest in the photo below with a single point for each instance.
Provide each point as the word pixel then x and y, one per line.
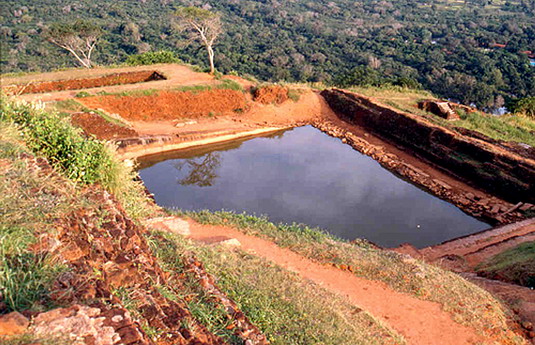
pixel 472 51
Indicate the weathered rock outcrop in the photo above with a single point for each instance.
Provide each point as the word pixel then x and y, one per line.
pixel 480 163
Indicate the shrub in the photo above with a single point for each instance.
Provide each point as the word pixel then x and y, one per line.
pixel 81 159
pixel 82 94
pixel 524 106
pixel 151 58
pixel 408 83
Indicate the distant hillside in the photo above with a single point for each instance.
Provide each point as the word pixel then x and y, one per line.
pixel 453 48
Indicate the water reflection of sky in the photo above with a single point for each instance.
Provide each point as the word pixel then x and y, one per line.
pixel 308 177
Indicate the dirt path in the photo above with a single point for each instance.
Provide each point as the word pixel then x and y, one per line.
pixel 420 322
pixel 177 75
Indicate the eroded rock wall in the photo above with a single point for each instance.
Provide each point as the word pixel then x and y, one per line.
pixel 482 164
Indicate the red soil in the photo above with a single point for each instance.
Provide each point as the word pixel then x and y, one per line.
pixel 168 105
pixel 76 84
pixel 420 322
pixel 272 94
pixel 94 124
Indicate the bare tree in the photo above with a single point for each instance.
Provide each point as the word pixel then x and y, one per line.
pixel 202 25
pixel 78 38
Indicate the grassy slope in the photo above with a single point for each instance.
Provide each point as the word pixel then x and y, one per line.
pixel 29 202
pixel 508 127
pixel 516 265
pixel 288 309
pixel 468 303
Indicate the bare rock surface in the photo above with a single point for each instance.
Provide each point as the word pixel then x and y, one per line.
pixel 13 323
pixel 79 324
pixel 170 224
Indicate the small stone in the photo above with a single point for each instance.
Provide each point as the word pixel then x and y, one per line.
pixel 527 325
pixel 483 202
pixel 464 201
pixel 469 196
pixel 230 243
pixel 13 323
pixel 117 318
pixel 495 208
pixel 170 224
pixel 442 184
pixel 526 206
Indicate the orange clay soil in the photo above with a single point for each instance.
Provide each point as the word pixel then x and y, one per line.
pixel 177 75
pixel 85 83
pixel 169 105
pixel 271 94
pixel 94 124
pixel 420 322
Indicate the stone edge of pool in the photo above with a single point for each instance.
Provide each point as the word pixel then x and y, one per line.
pixel 150 145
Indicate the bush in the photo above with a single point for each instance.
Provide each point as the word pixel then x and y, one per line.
pixel 524 106
pixel 82 94
pixel 151 58
pixel 408 83
pixel 81 159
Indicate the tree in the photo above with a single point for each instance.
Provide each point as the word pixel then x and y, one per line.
pixel 524 106
pixel 78 38
pixel 202 25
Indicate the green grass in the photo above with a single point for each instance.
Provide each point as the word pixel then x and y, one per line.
pixel 81 159
pixel 468 303
pixel 516 265
pixel 25 339
pixel 30 203
pixel 287 308
pixel 224 84
pixel 507 127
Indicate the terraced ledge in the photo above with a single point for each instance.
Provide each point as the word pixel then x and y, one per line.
pixel 477 247
pixel 149 145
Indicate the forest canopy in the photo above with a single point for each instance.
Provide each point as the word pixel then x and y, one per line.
pixel 472 51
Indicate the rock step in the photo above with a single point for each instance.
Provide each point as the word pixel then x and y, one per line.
pixel 476 242
pixel 480 255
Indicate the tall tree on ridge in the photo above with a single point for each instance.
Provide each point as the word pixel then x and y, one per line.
pixel 202 25
pixel 78 38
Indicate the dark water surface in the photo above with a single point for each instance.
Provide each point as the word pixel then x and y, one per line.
pixel 305 176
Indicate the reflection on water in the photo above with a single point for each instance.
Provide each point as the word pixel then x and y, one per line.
pixel 305 176
pixel 202 170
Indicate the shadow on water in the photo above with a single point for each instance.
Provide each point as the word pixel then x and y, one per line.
pixel 305 176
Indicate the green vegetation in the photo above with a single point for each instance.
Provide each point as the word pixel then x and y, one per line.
pixel 81 159
pixel 79 38
pixel 428 282
pixel 30 202
pixel 524 106
pixel 515 265
pixel 505 127
pixel 201 25
pixel 287 309
pixel 26 339
pixel 447 46
pixel 151 58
